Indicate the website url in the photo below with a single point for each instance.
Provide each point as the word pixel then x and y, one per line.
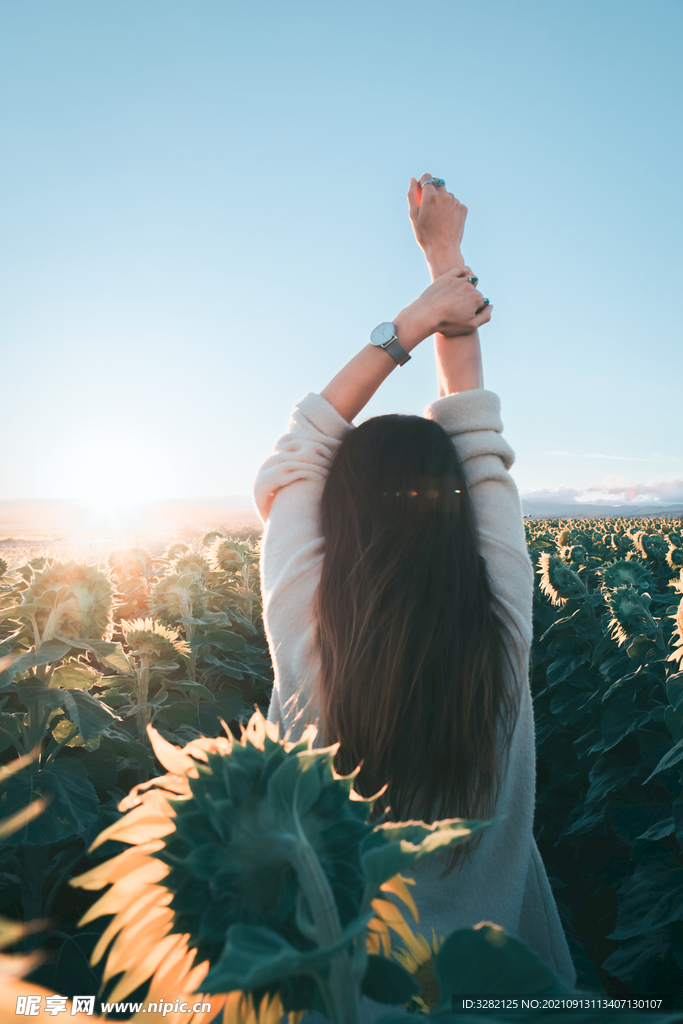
pixel 161 1007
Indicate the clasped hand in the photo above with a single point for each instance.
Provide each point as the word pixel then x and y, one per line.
pixel 451 306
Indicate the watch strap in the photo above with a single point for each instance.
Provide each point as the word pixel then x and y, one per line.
pixel 396 351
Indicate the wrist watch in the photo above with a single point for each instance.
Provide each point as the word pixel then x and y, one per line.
pixel 384 336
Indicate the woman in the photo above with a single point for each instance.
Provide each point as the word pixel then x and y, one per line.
pixel 397 600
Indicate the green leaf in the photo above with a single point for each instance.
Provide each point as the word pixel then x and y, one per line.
pixel 10 732
pixel 562 668
pixel 73 804
pixel 75 677
pixel 227 705
pixel 674 722
pixel 181 712
pixel 642 648
pixel 224 639
pixel 123 751
pixel 111 655
pixel 487 961
pixel 621 718
pixel 392 849
pixel 601 649
pixel 186 686
pixel 64 728
pixel 674 690
pixel 674 756
pixel 91 716
pixel 659 830
pixel 608 775
pixel 633 954
pixel 255 956
pixel 48 652
pixel 18 611
pixel 387 981
pixel 652 896
pixel 33 691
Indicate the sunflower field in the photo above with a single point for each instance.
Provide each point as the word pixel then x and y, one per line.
pixel 110 675
pixel 89 657
pixel 608 700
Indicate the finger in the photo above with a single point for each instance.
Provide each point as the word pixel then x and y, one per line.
pixel 414 196
pixel 423 178
pixel 482 316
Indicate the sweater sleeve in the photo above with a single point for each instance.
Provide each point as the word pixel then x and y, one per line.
pixel 472 420
pixel 287 491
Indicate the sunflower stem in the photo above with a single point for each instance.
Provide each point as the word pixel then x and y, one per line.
pixel 338 990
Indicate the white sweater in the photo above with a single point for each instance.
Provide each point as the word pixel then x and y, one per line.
pixel 505 880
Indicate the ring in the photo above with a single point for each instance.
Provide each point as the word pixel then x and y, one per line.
pixel 433 181
pixel 486 302
pixel 473 280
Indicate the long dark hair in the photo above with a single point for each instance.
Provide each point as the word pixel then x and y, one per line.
pixel 416 677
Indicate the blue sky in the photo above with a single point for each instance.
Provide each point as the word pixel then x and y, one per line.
pixel 204 215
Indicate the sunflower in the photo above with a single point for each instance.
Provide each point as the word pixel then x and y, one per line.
pixel 417 956
pixel 150 638
pixel 71 600
pixel 210 537
pixel 625 572
pixel 677 655
pixel 205 854
pixel 558 581
pixel 173 550
pixel 225 556
pixel 177 596
pixel 630 613
pixel 190 562
pixel 129 562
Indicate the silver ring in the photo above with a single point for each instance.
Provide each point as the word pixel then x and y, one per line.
pixel 486 302
pixel 433 181
pixel 473 280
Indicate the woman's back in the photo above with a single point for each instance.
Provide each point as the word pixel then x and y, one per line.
pixel 504 881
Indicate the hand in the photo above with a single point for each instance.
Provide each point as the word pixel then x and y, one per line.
pixel 438 221
pixel 451 306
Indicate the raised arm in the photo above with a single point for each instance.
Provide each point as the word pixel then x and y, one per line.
pixel 438 221
pixel 450 305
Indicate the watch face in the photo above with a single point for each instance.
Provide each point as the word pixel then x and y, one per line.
pixel 382 334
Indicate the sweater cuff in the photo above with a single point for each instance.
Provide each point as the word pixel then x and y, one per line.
pixel 318 411
pixel 466 411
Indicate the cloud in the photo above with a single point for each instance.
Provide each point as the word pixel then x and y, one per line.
pixel 654 457
pixel 613 491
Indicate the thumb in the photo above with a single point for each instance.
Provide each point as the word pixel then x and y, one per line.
pixel 414 197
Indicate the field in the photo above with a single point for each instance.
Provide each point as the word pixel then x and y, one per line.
pixel 97 642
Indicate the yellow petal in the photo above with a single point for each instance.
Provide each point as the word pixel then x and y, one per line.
pixel 144 968
pixel 174 759
pixel 163 787
pixel 389 913
pixel 117 867
pixel 176 972
pixel 397 885
pixel 155 813
pixel 150 928
pixel 139 906
pixel 377 931
pixel 122 892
